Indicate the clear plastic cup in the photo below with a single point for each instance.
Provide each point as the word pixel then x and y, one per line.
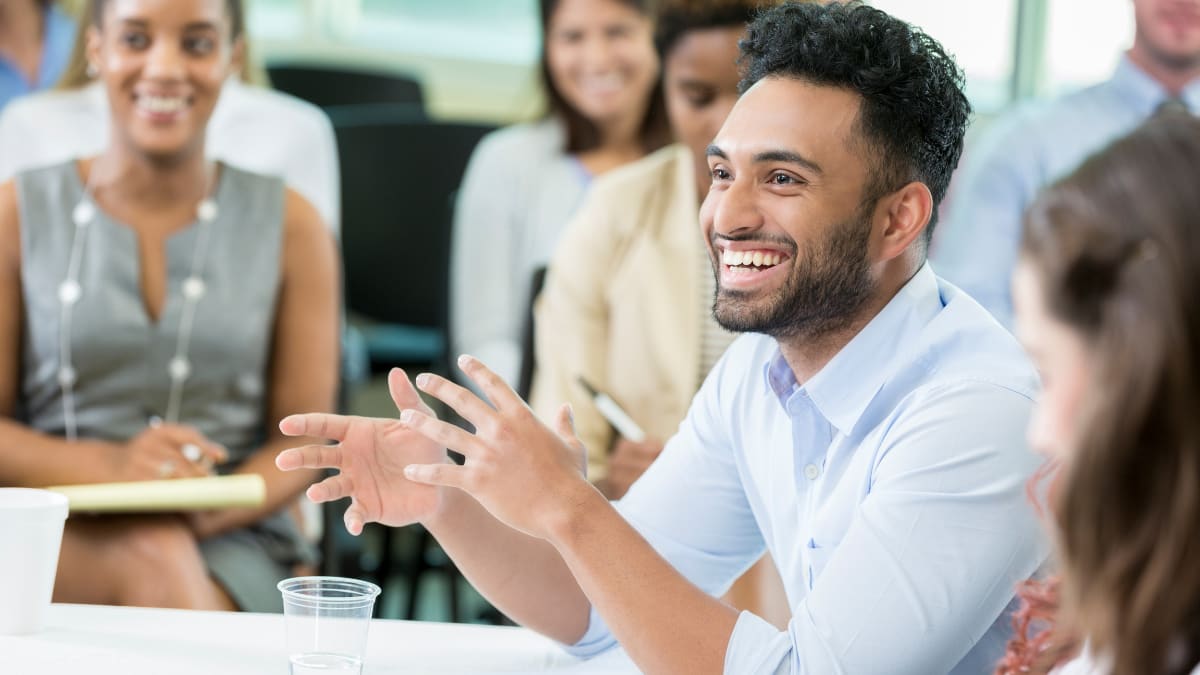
pixel 327 620
pixel 31 527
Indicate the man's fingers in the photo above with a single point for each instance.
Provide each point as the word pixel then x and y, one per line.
pixel 320 425
pixel 401 389
pixel 310 457
pixel 497 390
pixel 354 518
pixel 449 475
pixel 330 489
pixel 457 397
pixel 442 433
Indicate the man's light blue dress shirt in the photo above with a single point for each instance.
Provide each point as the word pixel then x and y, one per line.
pixel 978 242
pixel 889 489
pixel 56 51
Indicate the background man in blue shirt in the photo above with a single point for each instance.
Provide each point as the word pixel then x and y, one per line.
pixel 1043 142
pixel 868 432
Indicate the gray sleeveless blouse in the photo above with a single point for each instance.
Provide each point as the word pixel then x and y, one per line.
pixel 120 354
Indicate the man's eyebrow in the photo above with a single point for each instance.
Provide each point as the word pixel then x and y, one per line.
pixel 787 156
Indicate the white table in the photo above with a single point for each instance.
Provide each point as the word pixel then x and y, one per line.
pixel 97 640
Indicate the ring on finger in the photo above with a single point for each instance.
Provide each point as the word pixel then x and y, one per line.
pixel 191 452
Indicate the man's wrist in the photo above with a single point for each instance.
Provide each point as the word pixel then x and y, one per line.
pixel 580 505
pixel 444 508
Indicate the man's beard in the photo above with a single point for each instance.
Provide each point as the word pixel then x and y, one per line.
pixel 823 294
pixel 1180 63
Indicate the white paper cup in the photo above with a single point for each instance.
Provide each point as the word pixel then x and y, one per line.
pixel 327 620
pixel 31 527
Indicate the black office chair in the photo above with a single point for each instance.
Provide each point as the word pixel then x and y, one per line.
pixel 399 174
pixel 528 346
pixel 324 85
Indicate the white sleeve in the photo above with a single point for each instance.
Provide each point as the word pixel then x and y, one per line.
pixel 488 218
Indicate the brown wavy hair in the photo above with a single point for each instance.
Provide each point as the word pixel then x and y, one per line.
pixel 1117 247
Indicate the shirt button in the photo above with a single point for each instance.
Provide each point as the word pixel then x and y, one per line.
pixel 811 472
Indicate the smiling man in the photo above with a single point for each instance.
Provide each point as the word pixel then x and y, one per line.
pixel 868 433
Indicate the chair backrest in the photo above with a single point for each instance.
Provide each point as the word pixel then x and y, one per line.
pixel 528 346
pixel 324 85
pixel 399 174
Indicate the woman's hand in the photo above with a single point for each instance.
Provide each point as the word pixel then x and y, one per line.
pixel 628 462
pixel 159 452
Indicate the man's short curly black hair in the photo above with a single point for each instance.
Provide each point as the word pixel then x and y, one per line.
pixel 914 113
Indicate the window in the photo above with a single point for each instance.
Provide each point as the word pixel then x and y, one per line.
pixel 276 19
pixel 487 30
pixel 1080 53
pixel 476 59
pixel 980 36
pixel 465 30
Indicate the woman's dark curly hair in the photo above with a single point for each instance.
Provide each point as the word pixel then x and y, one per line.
pixel 914 113
pixel 676 18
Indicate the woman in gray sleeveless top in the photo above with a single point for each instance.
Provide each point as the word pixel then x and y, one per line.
pixel 158 313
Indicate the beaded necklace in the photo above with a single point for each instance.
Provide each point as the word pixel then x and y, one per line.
pixel 70 292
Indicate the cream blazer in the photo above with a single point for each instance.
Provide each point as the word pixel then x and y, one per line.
pixel 621 304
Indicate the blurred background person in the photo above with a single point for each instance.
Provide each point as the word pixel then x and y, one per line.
pixel 628 299
pixel 252 127
pixel 1105 289
pixel 1035 146
pixel 35 42
pixel 523 183
pixel 158 313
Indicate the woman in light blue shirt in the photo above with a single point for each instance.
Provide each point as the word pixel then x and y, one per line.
pixel 35 43
pixel 1105 291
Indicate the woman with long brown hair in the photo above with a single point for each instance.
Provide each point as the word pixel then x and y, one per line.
pixel 1106 295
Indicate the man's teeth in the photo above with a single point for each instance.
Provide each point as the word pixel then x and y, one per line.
pixel 756 258
pixel 162 104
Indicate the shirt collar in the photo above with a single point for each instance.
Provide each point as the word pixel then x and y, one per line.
pixel 1145 93
pixel 843 389
pixel 1191 96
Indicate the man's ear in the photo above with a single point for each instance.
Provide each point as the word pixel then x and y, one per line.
pixel 901 217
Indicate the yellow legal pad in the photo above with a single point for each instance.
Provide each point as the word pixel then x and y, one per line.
pixel 180 494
